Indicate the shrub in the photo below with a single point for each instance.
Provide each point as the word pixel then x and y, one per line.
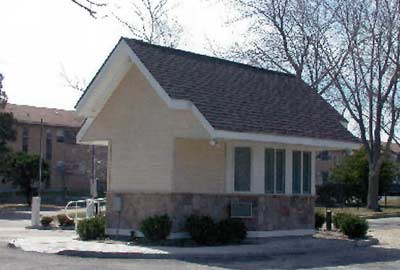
pixel 338 217
pixel 156 228
pixel 354 227
pixel 330 194
pixel 92 228
pixel 231 230
pixel 202 229
pixel 319 219
pixel 64 220
pixel 46 221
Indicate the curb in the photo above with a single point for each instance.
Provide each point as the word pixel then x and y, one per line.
pixel 234 255
pixel 263 251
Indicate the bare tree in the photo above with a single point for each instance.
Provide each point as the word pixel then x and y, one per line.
pixel 350 48
pixel 289 36
pixel 91 6
pixel 368 83
pixel 150 20
pixel 3 95
pixel 75 82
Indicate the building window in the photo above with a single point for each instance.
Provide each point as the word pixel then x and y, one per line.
pixel 275 164
pixel 49 146
pixel 25 139
pixel 242 168
pixel 296 172
pixel 60 135
pixel 69 136
pixel 301 172
pixel 306 172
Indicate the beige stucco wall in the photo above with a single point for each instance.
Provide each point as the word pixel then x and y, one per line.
pixel 141 129
pixel 199 166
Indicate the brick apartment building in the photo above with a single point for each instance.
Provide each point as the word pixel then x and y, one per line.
pixel 325 162
pixel 72 166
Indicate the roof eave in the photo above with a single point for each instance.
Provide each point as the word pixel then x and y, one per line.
pixel 317 143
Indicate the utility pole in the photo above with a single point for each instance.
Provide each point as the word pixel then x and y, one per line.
pixel 35 211
pixel 40 158
pixel 93 186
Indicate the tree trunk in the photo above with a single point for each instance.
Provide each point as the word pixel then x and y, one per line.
pixel 373 189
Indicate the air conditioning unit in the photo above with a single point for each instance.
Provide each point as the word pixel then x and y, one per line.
pixel 241 210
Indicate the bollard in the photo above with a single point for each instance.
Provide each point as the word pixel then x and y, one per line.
pixel 328 220
pixel 35 216
pixel 90 208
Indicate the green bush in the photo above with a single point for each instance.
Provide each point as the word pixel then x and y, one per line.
pixel 156 228
pixel 231 230
pixel 319 220
pixel 202 229
pixel 354 227
pixel 46 221
pixel 338 217
pixel 92 228
pixel 63 220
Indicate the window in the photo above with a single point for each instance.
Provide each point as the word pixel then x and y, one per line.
pixel 242 168
pixel 301 172
pixel 69 137
pixel 49 146
pixel 25 138
pixel 275 164
pixel 296 172
pixel 306 172
pixel 280 171
pixel 60 135
pixel 269 171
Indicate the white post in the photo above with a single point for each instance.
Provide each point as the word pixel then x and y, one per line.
pixel 35 217
pixel 90 208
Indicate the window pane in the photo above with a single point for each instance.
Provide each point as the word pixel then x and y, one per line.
pixel 296 172
pixel 269 171
pixel 60 135
pixel 306 172
pixel 49 147
pixel 242 168
pixel 25 138
pixel 280 171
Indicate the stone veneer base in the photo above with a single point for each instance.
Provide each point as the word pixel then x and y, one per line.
pixel 271 213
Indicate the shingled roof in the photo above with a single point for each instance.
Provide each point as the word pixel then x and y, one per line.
pixel 242 98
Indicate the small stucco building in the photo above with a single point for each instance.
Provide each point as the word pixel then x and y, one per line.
pixel 192 134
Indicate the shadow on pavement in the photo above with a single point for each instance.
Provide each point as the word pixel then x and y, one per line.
pixel 345 257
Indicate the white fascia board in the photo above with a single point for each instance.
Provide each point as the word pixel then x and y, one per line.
pixel 289 140
pixel 105 82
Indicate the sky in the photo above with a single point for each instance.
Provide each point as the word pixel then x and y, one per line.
pixel 40 39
